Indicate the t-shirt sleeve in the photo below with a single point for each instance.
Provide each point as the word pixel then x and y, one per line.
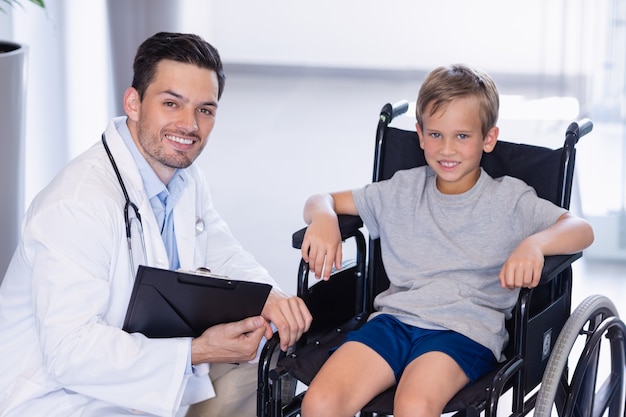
pixel 537 213
pixel 377 201
pixel 368 203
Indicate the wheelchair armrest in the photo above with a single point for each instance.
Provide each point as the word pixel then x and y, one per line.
pixel 348 226
pixel 555 264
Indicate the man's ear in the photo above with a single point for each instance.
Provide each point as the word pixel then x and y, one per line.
pixel 132 103
pixel 490 139
pixel 420 135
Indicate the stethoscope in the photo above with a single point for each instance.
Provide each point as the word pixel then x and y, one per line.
pixel 129 221
pixel 128 207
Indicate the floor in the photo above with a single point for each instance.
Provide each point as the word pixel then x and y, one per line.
pixel 284 135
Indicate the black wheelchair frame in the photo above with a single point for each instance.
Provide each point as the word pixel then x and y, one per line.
pixel 542 330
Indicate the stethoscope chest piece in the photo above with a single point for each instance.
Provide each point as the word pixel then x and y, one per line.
pixel 199 225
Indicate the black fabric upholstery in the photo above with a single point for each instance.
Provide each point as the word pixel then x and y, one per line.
pixel 539 167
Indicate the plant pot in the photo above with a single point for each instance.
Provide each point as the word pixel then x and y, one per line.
pixel 12 108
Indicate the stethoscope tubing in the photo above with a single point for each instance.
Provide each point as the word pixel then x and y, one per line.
pixel 128 205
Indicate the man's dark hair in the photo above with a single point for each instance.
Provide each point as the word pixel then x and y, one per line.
pixel 179 47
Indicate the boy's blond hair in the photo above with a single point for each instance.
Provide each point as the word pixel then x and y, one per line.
pixel 445 84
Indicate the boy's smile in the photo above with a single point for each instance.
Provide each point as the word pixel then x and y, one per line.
pixel 453 144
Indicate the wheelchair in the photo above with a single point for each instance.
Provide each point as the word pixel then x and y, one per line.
pixel 555 360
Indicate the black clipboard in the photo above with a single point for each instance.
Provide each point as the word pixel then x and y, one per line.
pixel 168 303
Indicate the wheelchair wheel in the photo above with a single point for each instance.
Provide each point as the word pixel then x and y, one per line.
pixel 585 394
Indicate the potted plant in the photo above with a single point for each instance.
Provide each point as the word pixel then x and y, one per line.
pixel 12 105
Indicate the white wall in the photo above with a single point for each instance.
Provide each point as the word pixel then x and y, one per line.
pixel 529 37
pixel 70 67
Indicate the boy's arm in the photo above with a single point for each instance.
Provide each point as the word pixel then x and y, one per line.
pixel 570 234
pixel 321 247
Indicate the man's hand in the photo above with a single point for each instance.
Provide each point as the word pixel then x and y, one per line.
pixel 229 342
pixel 290 316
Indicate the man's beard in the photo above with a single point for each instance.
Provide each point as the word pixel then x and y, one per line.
pixel 151 146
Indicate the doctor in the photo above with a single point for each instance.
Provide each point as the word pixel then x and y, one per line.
pixel 64 296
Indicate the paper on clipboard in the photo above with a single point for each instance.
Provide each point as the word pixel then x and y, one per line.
pixel 168 303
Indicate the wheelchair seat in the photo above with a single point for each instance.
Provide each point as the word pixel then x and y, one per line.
pixel 345 301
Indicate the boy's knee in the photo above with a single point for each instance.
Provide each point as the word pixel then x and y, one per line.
pixel 311 405
pixel 318 403
pixel 416 407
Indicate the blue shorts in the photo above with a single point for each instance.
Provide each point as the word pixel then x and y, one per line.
pixel 399 344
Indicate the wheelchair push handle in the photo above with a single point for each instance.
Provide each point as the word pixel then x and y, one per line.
pixel 577 130
pixel 399 108
pixel 391 111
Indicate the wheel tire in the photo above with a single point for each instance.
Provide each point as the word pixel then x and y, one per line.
pixel 589 308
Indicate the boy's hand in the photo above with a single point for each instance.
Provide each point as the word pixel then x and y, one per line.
pixel 321 247
pixel 523 267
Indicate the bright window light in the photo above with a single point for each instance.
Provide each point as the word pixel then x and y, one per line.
pixel 548 108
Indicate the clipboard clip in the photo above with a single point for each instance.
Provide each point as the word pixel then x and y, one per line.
pixel 198 277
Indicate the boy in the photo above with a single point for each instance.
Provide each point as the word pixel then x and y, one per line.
pixel 457 246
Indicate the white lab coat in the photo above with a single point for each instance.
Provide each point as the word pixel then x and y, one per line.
pixel 64 296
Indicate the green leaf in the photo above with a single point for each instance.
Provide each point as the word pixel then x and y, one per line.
pixel 11 3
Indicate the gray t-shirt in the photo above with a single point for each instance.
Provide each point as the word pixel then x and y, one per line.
pixel 443 253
